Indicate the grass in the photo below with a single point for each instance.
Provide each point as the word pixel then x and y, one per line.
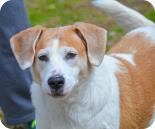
pixel 53 13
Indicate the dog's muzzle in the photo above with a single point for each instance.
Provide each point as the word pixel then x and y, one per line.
pixel 56 84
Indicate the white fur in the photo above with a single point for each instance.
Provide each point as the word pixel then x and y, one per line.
pixel 152 126
pixel 94 104
pixel 152 121
pixel 2 126
pixel 125 56
pixel 124 16
pixel 149 32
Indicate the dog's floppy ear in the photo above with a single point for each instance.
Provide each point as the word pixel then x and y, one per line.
pixel 23 45
pixel 95 39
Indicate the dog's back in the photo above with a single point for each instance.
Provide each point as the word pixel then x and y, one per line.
pixel 136 51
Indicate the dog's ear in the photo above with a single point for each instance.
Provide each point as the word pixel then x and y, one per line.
pixel 95 39
pixel 23 45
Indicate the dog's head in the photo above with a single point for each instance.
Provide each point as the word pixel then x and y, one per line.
pixel 60 57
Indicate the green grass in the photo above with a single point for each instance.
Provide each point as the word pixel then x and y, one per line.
pixel 53 13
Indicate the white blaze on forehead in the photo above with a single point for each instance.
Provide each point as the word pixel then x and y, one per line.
pixel 54 55
pixel 54 59
pixel 55 44
pixel 51 49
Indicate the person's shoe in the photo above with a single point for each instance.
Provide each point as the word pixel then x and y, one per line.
pixel 32 124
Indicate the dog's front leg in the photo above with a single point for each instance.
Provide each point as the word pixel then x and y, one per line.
pixel 38 100
pixel 42 121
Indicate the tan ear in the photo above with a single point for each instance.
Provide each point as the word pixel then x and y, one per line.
pixel 95 39
pixel 23 45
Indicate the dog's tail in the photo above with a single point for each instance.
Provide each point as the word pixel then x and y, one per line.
pixel 124 16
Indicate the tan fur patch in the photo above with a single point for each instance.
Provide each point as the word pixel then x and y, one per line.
pixel 137 83
pixel 66 36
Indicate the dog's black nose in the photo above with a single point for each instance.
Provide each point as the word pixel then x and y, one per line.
pixel 56 82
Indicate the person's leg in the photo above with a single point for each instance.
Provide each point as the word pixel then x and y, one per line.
pixel 14 83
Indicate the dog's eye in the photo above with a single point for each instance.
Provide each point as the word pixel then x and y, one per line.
pixel 70 55
pixel 43 58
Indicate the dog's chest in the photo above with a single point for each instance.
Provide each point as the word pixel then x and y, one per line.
pixel 65 116
pixel 53 115
pixel 81 118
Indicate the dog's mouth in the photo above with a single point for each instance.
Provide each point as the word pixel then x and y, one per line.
pixel 57 93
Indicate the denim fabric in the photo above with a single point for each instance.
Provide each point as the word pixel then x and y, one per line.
pixel 14 83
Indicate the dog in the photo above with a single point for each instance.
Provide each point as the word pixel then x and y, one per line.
pixel 79 86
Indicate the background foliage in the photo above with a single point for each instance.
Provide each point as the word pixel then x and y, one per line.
pixel 53 13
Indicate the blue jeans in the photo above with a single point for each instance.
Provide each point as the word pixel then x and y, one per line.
pixel 15 99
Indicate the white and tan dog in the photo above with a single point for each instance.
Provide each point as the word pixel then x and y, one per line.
pixel 78 86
